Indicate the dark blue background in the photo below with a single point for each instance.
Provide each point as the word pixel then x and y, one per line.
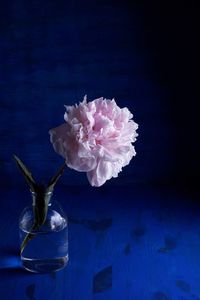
pixel 144 54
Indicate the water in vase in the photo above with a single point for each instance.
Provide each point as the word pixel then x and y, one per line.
pixel 47 250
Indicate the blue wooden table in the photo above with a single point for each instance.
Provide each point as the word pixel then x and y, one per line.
pixel 131 243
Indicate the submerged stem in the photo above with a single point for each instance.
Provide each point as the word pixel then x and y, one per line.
pixel 29 236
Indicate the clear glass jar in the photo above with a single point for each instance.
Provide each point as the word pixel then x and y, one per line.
pixel 47 248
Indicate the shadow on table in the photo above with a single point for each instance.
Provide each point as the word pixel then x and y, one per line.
pixel 10 264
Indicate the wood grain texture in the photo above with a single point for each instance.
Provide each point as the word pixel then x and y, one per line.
pixel 111 260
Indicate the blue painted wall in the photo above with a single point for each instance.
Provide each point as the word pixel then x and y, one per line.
pixel 52 53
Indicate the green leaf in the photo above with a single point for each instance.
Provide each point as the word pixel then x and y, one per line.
pixel 55 178
pixel 41 208
pixel 27 174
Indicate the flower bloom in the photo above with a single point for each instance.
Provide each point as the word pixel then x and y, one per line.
pixel 96 138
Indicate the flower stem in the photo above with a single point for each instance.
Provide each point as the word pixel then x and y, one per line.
pixel 29 236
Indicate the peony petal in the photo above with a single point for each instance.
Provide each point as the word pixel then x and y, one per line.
pixel 96 138
pixel 100 174
pixel 57 135
pixel 81 164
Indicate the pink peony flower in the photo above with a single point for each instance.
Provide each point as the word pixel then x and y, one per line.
pixel 96 138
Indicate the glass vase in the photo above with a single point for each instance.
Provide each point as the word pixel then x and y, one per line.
pixel 47 247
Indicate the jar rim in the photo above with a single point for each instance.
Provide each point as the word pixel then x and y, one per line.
pixel 45 193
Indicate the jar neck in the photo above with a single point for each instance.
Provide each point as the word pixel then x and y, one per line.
pixel 47 196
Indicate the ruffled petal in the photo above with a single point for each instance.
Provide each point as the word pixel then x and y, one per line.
pixel 96 138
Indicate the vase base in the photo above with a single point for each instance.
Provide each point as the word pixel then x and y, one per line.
pixel 44 265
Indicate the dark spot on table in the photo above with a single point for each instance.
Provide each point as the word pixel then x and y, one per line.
pixel 137 233
pixel 184 286
pixel 162 250
pixel 52 275
pixel 100 237
pixel 99 225
pixel 102 280
pixel 74 220
pixel 127 249
pixel 95 225
pixel 160 296
pixel 170 244
pixel 30 291
pixel 195 297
